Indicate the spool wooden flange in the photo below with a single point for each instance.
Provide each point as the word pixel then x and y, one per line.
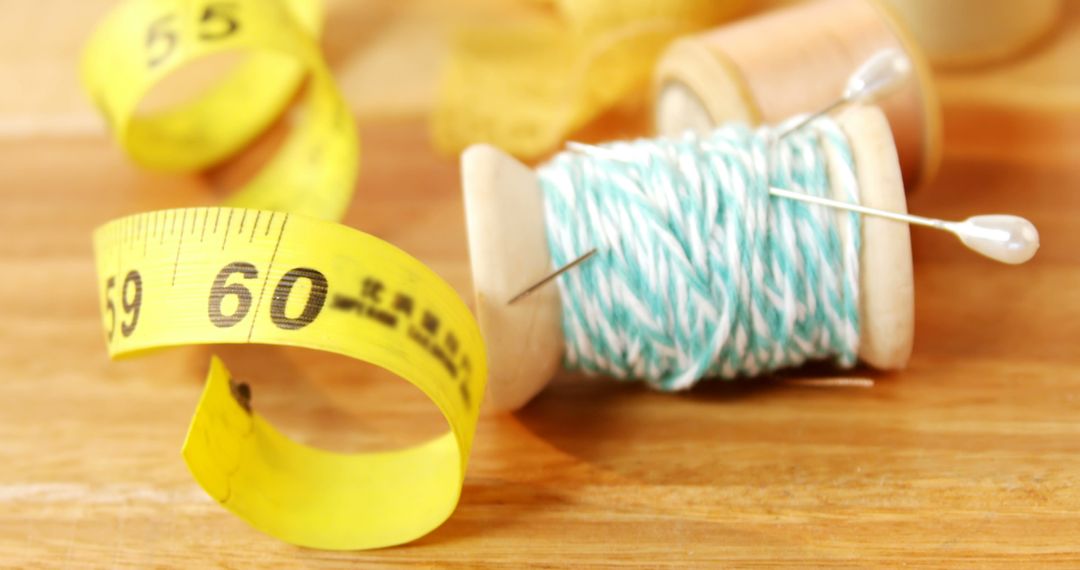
pixel 797 60
pixel 509 251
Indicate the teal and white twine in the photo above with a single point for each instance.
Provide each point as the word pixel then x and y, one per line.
pixel 700 273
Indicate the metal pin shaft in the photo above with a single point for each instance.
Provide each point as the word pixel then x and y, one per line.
pixel 810 118
pixel 551 277
pixel 866 210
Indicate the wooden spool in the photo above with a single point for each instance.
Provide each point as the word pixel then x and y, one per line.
pixel 797 60
pixel 972 32
pixel 509 251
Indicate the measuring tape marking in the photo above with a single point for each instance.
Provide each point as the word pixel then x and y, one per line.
pixel 256 274
pixel 374 301
pixel 362 298
pixel 314 170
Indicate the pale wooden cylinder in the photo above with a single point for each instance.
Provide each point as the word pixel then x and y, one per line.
pixel 797 60
pixel 972 32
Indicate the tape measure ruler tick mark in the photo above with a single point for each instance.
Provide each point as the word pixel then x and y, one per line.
pixel 268 272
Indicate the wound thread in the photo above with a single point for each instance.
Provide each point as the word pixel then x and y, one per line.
pixel 700 273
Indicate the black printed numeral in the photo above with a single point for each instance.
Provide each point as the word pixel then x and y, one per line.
pixel 315 302
pixel 221 288
pixel 161 40
pixel 217 21
pixel 131 293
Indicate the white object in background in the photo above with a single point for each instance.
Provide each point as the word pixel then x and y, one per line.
pixel 971 32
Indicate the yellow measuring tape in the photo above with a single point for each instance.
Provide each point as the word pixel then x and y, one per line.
pixel 267 271
pixel 144 41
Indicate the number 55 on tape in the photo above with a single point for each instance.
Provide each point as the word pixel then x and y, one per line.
pixel 228 275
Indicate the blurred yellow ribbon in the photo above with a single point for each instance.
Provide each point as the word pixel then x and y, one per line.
pixel 527 85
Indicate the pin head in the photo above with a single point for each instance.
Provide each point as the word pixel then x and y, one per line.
pixel 885 72
pixel 1008 239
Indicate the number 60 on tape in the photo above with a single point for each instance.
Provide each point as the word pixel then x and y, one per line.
pixel 256 274
pixel 225 275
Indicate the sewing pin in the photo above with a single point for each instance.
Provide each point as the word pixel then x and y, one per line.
pixel 1005 238
pixel 881 74
pixel 1001 237
pixel 552 276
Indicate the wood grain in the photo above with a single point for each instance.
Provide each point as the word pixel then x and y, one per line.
pixel 970 458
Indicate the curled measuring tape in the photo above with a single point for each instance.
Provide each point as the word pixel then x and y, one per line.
pixel 229 275
pixel 267 271
pixel 144 41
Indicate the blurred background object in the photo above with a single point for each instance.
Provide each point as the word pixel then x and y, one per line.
pixel 972 32
pixel 795 60
pixel 526 87
pixel 369 44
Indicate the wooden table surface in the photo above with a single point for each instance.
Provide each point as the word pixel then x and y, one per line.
pixel 969 458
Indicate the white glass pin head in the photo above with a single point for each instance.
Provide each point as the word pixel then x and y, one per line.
pixel 1008 239
pixel 885 72
pixel 1001 237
